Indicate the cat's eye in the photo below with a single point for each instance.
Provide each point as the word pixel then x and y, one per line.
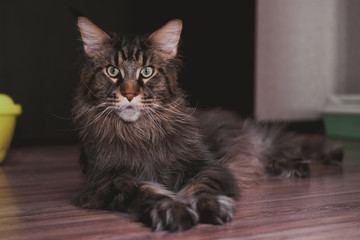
pixel 147 72
pixel 113 71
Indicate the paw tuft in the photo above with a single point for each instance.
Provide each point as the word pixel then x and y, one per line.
pixel 172 216
pixel 215 209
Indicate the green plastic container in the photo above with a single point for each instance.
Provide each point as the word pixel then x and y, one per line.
pixel 8 112
pixel 341 116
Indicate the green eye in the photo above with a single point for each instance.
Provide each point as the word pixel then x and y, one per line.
pixel 113 71
pixel 146 72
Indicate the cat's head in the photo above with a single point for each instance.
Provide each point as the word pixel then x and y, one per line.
pixel 129 75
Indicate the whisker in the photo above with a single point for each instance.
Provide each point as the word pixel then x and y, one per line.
pixel 157 124
pixel 100 115
pixel 91 109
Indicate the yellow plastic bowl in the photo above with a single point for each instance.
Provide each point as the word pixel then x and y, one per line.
pixel 8 112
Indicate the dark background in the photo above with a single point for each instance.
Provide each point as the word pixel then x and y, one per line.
pixel 39 46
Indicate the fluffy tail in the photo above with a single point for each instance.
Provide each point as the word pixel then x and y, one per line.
pixel 253 150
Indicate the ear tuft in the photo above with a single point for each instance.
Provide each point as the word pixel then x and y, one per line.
pixel 166 38
pixel 92 36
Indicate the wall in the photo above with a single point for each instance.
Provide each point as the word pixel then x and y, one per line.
pixel 302 55
pixel 349 67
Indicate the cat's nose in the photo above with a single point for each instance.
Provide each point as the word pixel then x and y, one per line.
pixel 129 90
pixel 129 96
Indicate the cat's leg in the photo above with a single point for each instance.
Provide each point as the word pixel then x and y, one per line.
pixel 150 203
pixel 319 147
pixel 212 194
pixel 294 153
pixel 288 167
pixel 154 205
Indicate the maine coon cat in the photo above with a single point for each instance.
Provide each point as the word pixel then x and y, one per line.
pixel 145 152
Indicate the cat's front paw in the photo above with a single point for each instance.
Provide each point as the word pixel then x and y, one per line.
pixel 215 209
pixel 172 216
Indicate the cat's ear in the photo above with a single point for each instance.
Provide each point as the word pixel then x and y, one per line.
pixel 92 36
pixel 166 38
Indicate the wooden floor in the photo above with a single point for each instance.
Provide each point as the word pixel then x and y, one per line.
pixel 37 183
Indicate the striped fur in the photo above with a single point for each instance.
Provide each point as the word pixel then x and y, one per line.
pixel 147 153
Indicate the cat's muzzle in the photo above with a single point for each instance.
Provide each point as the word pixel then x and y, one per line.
pixel 129 113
